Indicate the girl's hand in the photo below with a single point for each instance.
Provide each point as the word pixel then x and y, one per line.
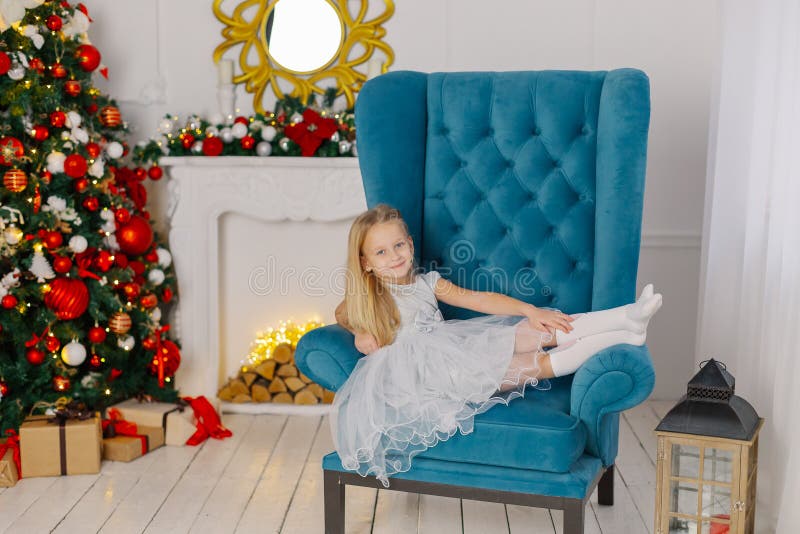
pixel 366 342
pixel 548 320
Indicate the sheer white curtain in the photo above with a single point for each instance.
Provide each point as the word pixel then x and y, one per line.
pixel 749 303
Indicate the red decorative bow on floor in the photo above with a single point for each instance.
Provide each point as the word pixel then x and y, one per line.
pixel 208 421
pixel 310 133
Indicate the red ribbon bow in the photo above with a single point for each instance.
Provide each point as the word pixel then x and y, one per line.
pixel 12 443
pixel 34 340
pixel 208 421
pixel 310 133
pixel 115 425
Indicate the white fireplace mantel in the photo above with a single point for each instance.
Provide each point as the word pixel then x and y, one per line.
pixel 201 190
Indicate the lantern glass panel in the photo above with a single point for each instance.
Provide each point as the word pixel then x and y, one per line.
pixel 683 497
pixel 716 500
pixel 680 525
pixel 685 461
pixel 718 465
pixel 715 527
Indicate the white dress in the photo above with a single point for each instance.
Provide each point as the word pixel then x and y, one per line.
pixel 429 383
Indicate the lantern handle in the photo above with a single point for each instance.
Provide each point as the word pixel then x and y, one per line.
pixel 700 365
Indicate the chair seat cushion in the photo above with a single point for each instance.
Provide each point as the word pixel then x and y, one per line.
pixel 534 432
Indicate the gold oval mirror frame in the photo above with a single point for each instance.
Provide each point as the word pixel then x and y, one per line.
pixel 273 47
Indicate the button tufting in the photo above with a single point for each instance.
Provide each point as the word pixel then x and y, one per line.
pixel 585 130
pixel 508 230
pixel 509 163
pixel 490 131
pixel 463 163
pixel 444 131
pixel 529 263
pixel 536 131
pixel 481 263
pixel 531 196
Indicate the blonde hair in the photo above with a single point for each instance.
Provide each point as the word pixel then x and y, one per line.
pixel 369 304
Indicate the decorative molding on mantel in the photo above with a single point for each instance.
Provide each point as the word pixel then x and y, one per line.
pixel 274 189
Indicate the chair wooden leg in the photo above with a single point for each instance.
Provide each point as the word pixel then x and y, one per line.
pixel 574 516
pixel 605 488
pixel 334 503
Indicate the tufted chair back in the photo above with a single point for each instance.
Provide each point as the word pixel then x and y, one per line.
pixel 514 182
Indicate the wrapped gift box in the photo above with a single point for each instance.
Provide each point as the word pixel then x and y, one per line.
pixel 126 448
pixel 177 421
pixel 65 447
pixel 8 469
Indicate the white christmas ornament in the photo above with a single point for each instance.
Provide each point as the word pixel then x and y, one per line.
pixel 12 235
pixel 212 131
pixel 156 315
pixel 197 147
pixel 11 279
pixel 164 257
pixel 17 72
pixel 41 268
pixel 268 133
pixel 239 130
pixel 91 380
pixel 166 126
pixel 73 353
pixel 114 150
pixel 106 214
pixel 79 135
pixel 263 149
pixel 78 244
pixel 126 343
pixel 73 119
pixel 98 168
pixel 296 118
pixel 55 162
pixel 156 276
pixel 226 135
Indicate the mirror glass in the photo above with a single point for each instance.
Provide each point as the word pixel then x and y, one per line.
pixel 303 35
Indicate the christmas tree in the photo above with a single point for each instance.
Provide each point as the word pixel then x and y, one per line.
pixel 83 278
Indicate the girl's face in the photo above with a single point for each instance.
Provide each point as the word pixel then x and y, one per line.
pixel 388 252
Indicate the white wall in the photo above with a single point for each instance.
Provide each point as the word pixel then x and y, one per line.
pixel 160 60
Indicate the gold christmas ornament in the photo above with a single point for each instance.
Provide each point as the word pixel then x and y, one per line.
pixel 120 322
pixel 110 117
pixel 15 180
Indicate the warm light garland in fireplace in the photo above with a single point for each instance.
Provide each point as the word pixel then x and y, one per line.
pixel 287 332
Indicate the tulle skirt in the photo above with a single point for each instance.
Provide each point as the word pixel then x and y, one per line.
pixel 424 387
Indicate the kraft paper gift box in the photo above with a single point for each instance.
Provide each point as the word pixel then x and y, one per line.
pixel 8 468
pixel 178 425
pixel 66 447
pixel 122 448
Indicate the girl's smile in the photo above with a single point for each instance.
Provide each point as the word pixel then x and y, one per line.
pixel 388 253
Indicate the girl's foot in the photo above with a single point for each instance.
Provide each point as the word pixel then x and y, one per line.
pixel 640 312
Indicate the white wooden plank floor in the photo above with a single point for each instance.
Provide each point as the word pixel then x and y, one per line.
pixel 267 478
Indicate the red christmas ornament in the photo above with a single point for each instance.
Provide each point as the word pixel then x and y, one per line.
pixel 36 64
pixel 3 389
pixel 137 267
pixel 53 239
pixel 110 117
pixel 97 334
pixel 75 166
pixel 91 203
pixel 88 57
pixel 151 256
pixel 155 172
pixel 93 149
pixel 54 23
pixel 15 180
pixel 47 177
pixel 120 259
pixel 9 301
pixel 68 298
pixel 34 356
pixel 248 142
pixel 103 260
pixel 72 87
pixel 81 185
pixel 122 215
pixel 131 290
pixel 140 174
pixel 52 343
pixel 169 356
pixel 149 301
pixel 59 71
pixel 5 63
pixel 58 119
pixel 95 361
pixel 212 146
pixel 310 133
pixel 61 383
pixel 120 322
pixel 37 199
pixel 166 295
pixel 149 343
pixel 241 119
pixel 187 140
pixel 62 264
pixel 11 148
pixel 91 108
pixel 135 237
pixel 40 133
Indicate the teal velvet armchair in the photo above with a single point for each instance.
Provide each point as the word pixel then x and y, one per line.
pixel 530 184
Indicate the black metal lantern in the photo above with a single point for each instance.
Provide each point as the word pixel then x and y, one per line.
pixel 707 458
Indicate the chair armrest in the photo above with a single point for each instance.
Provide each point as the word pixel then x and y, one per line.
pixel 327 355
pixel 613 380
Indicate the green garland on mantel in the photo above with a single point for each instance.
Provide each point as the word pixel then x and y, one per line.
pixel 293 129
